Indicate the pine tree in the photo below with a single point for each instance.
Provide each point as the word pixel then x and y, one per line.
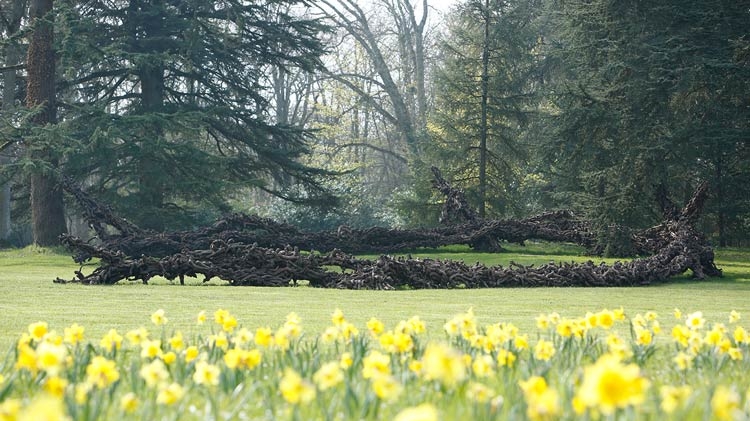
pixel 484 95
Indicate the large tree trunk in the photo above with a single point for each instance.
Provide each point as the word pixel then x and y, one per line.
pixel 47 210
pixel 152 182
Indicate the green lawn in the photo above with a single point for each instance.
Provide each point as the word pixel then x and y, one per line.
pixel 28 295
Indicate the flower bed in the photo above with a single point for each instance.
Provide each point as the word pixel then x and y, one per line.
pixel 602 365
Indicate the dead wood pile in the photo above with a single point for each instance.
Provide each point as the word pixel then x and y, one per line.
pixel 242 260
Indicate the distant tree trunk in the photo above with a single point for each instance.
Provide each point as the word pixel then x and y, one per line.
pixel 47 211
pixel 483 117
pixel 9 94
pixel 721 200
pixel 13 24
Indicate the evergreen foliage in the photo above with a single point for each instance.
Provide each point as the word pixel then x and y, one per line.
pixel 510 92
pixel 165 105
pixel 648 94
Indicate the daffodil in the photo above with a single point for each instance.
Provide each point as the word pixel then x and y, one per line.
pixel 734 316
pixel 129 403
pixel 605 319
pixel 219 341
pixel 521 342
pixel 55 386
pixel 740 335
pixel 281 339
pixel 346 360
pixel 37 330
pixel 191 353
pixel 170 394
pixel 206 374
pixel 155 373
pixel 337 318
pixel 137 336
pixel 542 322
pixel 443 363
pixel 423 412
pixel 176 342
pixel 264 337
pixel 169 357
pixel 415 326
pixel 505 358
pixel 386 387
pixel 376 364
pixel 725 403
pixel 544 350
pixel 479 392
pixel 158 318
pixel 9 409
pixel 111 341
pixel 609 384
pixel 348 331
pixel 151 349
pixel 229 323
pixel 220 316
pixel 402 343
pixel 681 335
pixel 51 358
pixel 73 334
pixel 81 392
pixel 565 328
pixel 328 375
pixel 483 366
pixel 375 327
pixel 294 389
pixel 673 397
pixel 542 402
pixel 643 336
pixel 101 372
pixel 44 407
pixel 243 337
pixel 330 334
pixel 695 320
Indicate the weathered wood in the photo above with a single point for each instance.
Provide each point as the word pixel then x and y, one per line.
pixel 240 263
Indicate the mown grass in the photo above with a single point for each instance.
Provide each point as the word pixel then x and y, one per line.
pixel 28 295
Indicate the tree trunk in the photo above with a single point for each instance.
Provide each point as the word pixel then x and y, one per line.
pixel 13 24
pixel 9 96
pixel 483 121
pixel 47 210
pixel 152 179
pixel 721 200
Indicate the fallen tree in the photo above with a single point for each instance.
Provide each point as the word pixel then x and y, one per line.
pixel 250 264
pixel 116 233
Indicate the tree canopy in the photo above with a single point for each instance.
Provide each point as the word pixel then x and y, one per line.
pixel 177 112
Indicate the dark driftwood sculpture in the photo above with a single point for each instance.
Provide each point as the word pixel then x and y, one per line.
pixel 248 250
pixel 115 233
